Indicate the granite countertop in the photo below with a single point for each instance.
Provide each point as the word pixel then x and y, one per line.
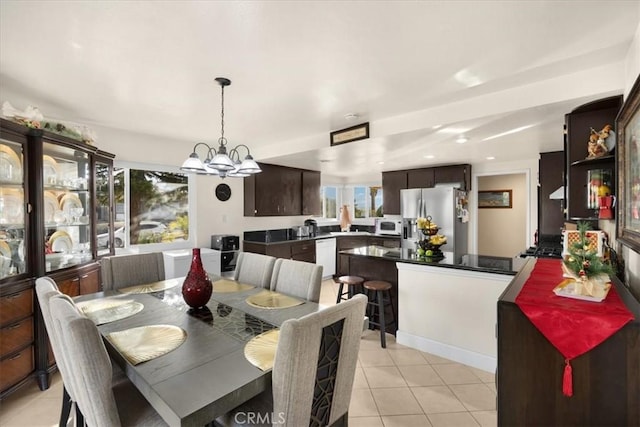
pixel 275 238
pixel 471 262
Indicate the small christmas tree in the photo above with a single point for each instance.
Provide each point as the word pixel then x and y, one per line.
pixel 583 262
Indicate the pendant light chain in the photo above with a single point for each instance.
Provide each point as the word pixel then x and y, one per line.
pixel 222 140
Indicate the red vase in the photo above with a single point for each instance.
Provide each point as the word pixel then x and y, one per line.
pixel 197 288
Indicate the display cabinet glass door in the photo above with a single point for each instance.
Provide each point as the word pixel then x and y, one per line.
pixel 104 196
pixel 13 253
pixel 67 207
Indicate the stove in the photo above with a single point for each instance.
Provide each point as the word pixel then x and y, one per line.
pixel 548 246
pixel 543 252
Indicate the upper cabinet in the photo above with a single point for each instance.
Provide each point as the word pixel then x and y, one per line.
pixel 588 177
pixel 394 181
pixel 282 191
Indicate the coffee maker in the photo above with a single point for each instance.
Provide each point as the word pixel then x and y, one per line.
pixel 313 227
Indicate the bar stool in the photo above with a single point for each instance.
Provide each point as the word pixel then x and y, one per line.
pixel 353 287
pixel 377 304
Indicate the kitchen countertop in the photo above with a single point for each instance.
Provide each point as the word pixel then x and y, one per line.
pixel 471 262
pixel 332 234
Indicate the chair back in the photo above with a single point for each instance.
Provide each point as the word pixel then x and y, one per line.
pixel 122 271
pixel 315 364
pixel 297 278
pixel 46 289
pixel 254 269
pixel 92 373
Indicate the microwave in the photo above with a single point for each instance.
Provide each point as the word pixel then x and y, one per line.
pixel 388 226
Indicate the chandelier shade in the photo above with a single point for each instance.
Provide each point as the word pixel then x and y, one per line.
pixel 219 162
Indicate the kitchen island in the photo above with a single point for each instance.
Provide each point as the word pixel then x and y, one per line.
pixel 445 307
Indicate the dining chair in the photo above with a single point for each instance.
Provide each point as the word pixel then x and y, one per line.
pixel 254 269
pixel 129 270
pixel 297 278
pixel 313 371
pixel 101 403
pixel 46 288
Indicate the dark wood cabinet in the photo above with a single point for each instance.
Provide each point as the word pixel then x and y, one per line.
pixel 304 251
pixel 48 227
pixel 311 198
pixel 585 176
pixel 455 174
pixel 421 178
pixel 281 191
pixel 344 243
pixel 550 179
pixel 606 379
pixel 386 242
pixel 392 183
pixel 296 250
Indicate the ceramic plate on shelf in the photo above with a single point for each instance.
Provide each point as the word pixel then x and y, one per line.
pixel 50 206
pixel 11 206
pixel 60 241
pixel 49 170
pixel 10 164
pixel 70 201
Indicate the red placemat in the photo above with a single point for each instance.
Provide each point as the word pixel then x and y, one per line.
pixel 572 326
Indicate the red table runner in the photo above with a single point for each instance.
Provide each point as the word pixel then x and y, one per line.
pixel 572 326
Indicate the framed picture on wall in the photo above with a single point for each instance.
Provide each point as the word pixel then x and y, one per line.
pixel 628 166
pixel 495 199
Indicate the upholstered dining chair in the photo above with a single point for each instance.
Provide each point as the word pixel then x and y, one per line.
pixel 254 269
pixel 313 371
pixel 121 271
pixel 101 403
pixel 297 278
pixel 46 288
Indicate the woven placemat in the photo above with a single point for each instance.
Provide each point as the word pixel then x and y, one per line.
pixel 272 300
pixel 225 285
pixel 107 310
pixel 261 350
pixel 144 343
pixel 148 288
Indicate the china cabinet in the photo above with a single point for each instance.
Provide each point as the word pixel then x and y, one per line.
pixel 56 196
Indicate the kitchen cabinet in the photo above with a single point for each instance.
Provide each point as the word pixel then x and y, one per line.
pixel 311 197
pixel 296 250
pixel 392 183
pixel 386 242
pixel 281 191
pixel 421 178
pixel 347 242
pixel 47 227
pixel 585 176
pixel 550 178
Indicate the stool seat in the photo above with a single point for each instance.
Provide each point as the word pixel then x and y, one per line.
pixel 377 289
pixel 352 282
pixel 377 285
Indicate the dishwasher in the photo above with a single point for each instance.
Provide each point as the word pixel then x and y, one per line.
pixel 326 256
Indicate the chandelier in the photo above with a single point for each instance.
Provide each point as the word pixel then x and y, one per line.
pixel 219 162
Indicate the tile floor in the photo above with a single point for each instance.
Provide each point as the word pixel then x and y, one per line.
pixel 394 387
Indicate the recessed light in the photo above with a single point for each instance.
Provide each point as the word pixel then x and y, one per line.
pixel 324 161
pixel 491 158
pixel 462 139
pixel 351 116
pixel 429 156
pixel 381 163
pixel 436 127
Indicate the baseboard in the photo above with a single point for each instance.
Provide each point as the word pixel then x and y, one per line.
pixel 457 354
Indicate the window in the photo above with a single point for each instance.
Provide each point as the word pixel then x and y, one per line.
pixel 363 201
pixel 152 206
pixel 330 202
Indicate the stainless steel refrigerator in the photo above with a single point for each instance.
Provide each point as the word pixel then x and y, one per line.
pixel 445 205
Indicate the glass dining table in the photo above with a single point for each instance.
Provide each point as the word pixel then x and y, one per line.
pixel 208 374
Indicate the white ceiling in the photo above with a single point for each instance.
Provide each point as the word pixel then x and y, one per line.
pixel 298 67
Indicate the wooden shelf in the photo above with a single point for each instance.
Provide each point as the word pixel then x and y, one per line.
pixel 596 160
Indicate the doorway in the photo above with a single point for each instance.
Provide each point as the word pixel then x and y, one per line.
pixel 502 231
